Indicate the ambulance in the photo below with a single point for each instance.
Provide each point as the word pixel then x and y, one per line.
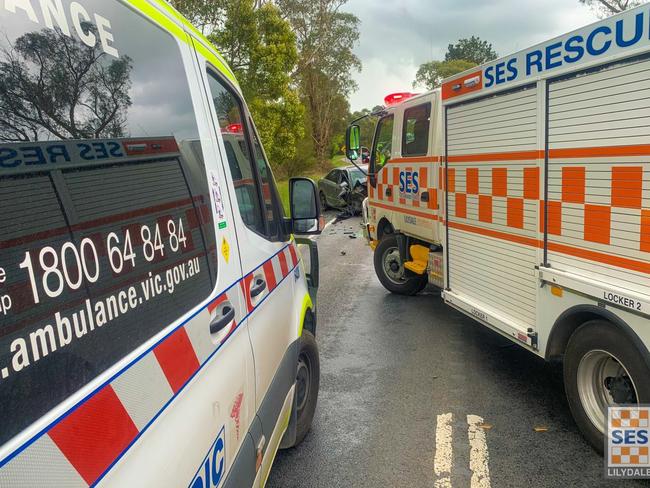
pixel 522 189
pixel 157 320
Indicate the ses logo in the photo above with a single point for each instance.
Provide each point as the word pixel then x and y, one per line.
pixel 213 468
pixel 628 442
pixel 409 183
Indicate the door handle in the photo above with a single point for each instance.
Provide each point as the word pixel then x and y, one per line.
pixel 260 286
pixel 220 322
pixel 425 197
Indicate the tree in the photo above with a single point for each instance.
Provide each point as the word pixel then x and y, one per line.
pixel 52 85
pixel 326 38
pixel 432 73
pixel 605 8
pixel 260 48
pixel 472 49
pixel 463 55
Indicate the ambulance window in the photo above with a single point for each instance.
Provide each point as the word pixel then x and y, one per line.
pixel 383 142
pixel 107 236
pixel 231 122
pixel 269 190
pixel 415 133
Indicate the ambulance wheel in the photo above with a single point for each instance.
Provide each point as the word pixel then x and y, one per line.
pixel 602 367
pixel 323 201
pixel 307 383
pixel 391 272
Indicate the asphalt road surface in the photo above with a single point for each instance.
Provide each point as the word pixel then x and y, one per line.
pixel 402 375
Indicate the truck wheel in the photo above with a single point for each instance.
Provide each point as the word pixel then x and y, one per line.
pixel 323 201
pixel 391 272
pixel 307 384
pixel 602 367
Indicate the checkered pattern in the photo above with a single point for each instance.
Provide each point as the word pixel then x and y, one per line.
pixel 630 456
pixel 630 418
pixel 499 196
pixel 83 444
pixel 606 205
pixel 430 181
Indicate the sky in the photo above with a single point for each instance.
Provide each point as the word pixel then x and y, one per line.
pixel 397 36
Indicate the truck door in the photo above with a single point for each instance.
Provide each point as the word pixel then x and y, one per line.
pixel 268 260
pixel 493 191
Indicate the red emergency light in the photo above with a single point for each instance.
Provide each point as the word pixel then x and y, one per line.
pixel 233 128
pixel 395 98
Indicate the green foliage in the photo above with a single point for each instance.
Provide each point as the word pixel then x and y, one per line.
pixel 325 38
pixel 463 55
pixel 432 73
pixel 473 49
pixel 260 47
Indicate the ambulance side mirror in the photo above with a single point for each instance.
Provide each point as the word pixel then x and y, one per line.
pixel 353 142
pixel 305 207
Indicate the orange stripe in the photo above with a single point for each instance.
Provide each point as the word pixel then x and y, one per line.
pixel 527 241
pixel 599 257
pixel 505 156
pixel 583 152
pixel 404 210
pixel 601 152
pixel 428 159
pixel 626 263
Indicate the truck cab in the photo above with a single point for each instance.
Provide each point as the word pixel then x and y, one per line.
pixel 405 197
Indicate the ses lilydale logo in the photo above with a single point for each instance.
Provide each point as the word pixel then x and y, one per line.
pixel 628 442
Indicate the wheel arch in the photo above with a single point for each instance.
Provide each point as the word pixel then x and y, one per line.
pixel 384 227
pixel 571 319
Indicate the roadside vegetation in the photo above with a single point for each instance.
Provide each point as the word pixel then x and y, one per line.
pixel 295 62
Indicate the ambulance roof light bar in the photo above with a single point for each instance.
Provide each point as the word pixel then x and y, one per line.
pixel 395 98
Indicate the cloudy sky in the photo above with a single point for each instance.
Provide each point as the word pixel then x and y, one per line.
pixel 399 35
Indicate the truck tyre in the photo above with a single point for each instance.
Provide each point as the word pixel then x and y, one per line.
pixel 602 366
pixel 307 384
pixel 391 272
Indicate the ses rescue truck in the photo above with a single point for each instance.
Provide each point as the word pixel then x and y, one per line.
pixel 156 320
pixel 522 188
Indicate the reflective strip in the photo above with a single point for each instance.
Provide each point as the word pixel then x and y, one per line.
pixel 177 359
pixel 41 464
pixel 143 390
pixel 94 434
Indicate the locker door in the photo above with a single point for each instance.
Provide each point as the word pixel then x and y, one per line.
pixel 493 183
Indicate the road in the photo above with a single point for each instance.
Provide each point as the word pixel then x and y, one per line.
pixel 396 370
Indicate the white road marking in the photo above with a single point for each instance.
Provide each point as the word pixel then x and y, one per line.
pixel 478 454
pixel 443 460
pixel 328 224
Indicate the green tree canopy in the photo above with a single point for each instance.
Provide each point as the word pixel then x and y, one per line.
pixel 463 55
pixel 326 38
pixel 432 73
pixel 473 49
pixel 260 47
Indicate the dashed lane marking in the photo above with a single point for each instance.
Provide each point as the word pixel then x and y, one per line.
pixel 444 452
pixel 478 453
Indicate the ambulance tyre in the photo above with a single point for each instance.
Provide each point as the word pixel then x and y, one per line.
pixel 391 272
pixel 602 365
pixel 307 384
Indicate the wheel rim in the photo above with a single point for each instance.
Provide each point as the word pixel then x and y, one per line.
pixel 392 265
pixel 303 382
pixel 604 381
